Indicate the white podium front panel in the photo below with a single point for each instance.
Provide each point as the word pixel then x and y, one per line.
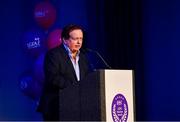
pixel 119 96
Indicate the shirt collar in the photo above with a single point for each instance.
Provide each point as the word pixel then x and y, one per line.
pixel 70 52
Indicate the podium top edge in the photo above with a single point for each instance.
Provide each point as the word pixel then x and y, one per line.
pixel 115 70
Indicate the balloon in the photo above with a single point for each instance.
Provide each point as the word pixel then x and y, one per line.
pixel 45 14
pixel 34 42
pixel 38 71
pixel 30 87
pixel 54 39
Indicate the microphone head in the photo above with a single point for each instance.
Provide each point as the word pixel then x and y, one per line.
pixel 86 50
pixel 89 50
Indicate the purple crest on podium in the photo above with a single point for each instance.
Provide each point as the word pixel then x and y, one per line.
pixel 119 108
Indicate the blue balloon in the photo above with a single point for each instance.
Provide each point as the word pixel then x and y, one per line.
pixel 30 87
pixel 38 71
pixel 34 42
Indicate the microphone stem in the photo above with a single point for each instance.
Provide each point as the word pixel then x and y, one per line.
pixel 103 60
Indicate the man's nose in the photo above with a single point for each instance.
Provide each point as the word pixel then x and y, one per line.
pixel 79 41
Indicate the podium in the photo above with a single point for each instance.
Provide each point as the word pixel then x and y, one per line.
pixel 108 95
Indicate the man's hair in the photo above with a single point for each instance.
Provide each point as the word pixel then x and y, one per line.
pixel 67 29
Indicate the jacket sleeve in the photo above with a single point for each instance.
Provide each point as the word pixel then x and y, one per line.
pixel 53 77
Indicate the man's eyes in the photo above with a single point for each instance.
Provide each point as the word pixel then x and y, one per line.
pixel 76 38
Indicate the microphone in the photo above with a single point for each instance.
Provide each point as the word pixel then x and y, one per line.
pixel 99 55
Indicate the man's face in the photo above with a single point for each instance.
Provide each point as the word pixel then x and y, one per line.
pixel 75 40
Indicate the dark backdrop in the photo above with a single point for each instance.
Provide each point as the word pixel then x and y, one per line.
pixel 129 34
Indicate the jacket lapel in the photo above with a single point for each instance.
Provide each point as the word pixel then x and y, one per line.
pixel 82 67
pixel 69 63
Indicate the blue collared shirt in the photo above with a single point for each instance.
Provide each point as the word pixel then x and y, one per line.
pixel 74 62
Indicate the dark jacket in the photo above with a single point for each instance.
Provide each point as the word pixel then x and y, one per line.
pixel 60 97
